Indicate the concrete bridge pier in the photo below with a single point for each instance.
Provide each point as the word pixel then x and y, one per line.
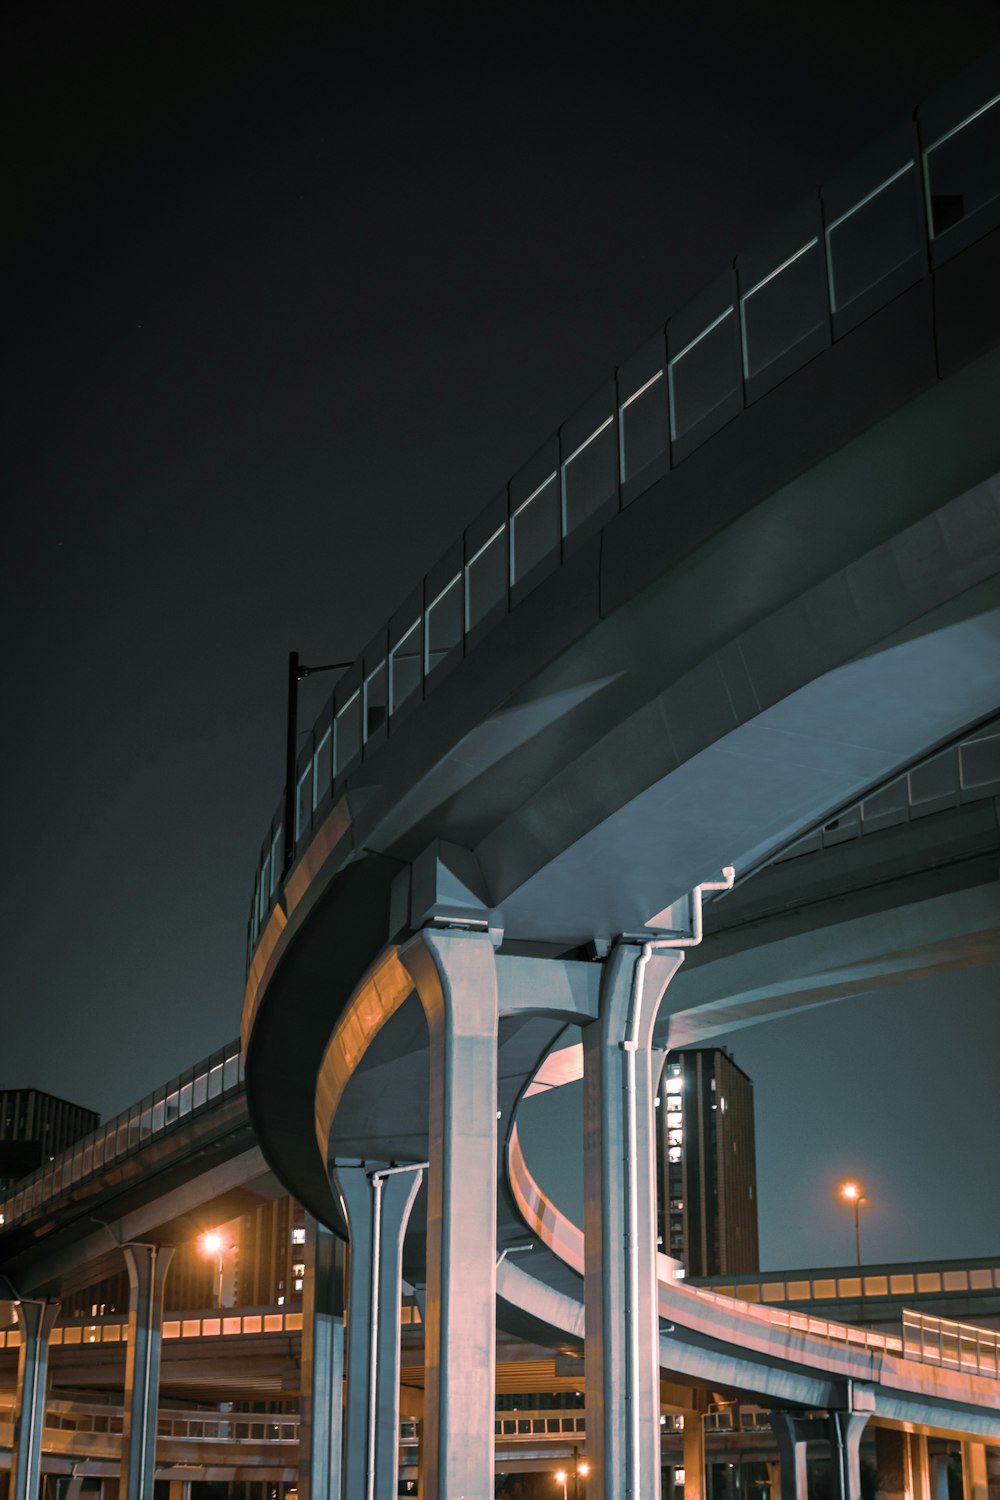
pixel 147 1267
pixel 321 1414
pixel 454 973
pixel 791 1433
pixel 620 1075
pixel 846 1429
pixel 694 1455
pixel 918 1467
pixel 975 1479
pixel 843 1430
pixel 35 1319
pixel 377 1206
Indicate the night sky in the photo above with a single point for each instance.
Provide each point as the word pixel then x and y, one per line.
pixel 290 291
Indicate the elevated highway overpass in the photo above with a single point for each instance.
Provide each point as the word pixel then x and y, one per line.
pixel 750 584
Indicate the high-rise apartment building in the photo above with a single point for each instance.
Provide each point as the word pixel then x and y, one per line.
pixel 707 1164
pixel 35 1126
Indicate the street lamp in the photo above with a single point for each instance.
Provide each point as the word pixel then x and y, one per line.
pixel 853 1193
pixel 580 1471
pixel 296 672
pixel 212 1243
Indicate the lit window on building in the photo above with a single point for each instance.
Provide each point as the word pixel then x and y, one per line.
pixel 297 1284
pixel 299 1268
pixel 298 1236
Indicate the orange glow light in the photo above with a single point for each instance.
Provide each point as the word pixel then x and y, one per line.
pixel 850 1191
pixel 211 1242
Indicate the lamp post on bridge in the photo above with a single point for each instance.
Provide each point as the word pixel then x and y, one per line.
pixel 296 672
pixel 213 1244
pixel 853 1193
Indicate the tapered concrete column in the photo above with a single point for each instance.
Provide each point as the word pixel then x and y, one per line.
pixel 35 1321
pixel 393 1196
pixel 891 1463
pixel 455 976
pixel 147 1267
pixel 791 1434
pixel 975 1484
pixel 321 1407
pixel 621 1354
pixel 377 1204
pixel 938 1467
pixel 355 1191
pixel 694 1455
pixel 846 1428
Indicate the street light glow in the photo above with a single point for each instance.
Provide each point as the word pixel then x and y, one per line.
pixel 561 1476
pixel 211 1242
pixel 854 1194
pixel 583 1469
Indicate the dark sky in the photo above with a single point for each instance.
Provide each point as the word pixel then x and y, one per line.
pixel 290 290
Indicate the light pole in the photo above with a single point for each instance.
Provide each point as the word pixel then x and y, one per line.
pixel 296 672
pixel 580 1471
pixel 853 1193
pixel 212 1243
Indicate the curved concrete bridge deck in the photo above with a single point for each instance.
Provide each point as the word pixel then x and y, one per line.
pixel 755 579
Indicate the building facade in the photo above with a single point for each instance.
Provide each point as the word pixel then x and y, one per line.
pixel 35 1126
pixel 707 1163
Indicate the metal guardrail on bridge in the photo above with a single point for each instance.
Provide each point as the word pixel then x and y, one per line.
pixel 198 1088
pixel 957 1346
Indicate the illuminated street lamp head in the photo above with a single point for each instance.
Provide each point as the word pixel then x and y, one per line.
pixel 211 1242
pixel 561 1476
pixel 851 1191
pixel 583 1469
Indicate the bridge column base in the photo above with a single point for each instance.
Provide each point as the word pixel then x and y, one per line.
pixel 36 1320
pixel 377 1206
pixel 622 1350
pixel 454 973
pixel 147 1267
pixel 320 1429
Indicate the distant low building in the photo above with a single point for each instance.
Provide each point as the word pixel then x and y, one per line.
pixel 707 1164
